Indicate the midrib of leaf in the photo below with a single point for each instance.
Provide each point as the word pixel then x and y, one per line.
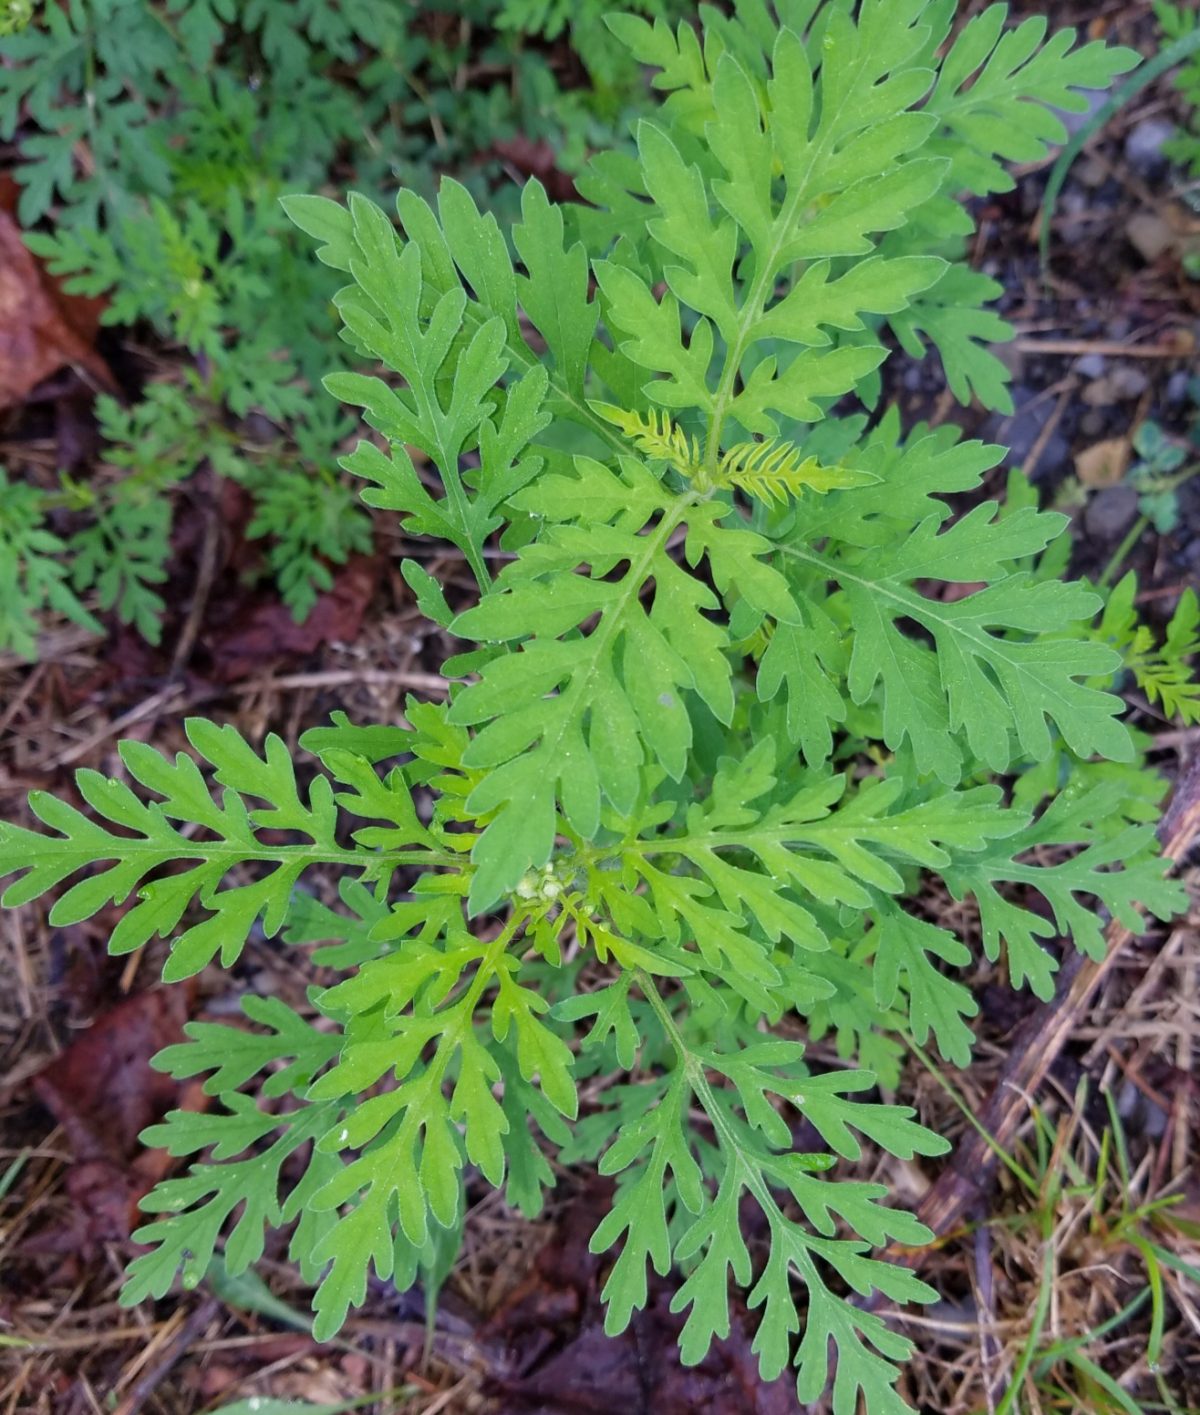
pixel 465 1005
pixel 613 617
pixel 462 1014
pixel 1039 877
pixel 302 1124
pixel 808 834
pixel 977 96
pixel 448 466
pixel 747 1170
pixel 764 278
pixel 477 314
pixel 918 607
pixel 218 850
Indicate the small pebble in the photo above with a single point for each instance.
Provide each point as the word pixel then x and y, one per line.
pixel 1026 424
pixel 1023 431
pixel 1073 122
pixel 1091 365
pixel 1056 454
pixel 1154 1122
pixel 1150 235
pixel 1092 173
pixel 1140 1113
pixel 1144 146
pixel 1111 512
pixel 1129 382
pixel 1177 386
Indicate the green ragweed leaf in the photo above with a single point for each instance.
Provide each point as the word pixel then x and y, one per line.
pixel 225 834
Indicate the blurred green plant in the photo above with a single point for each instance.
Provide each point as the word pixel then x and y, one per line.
pixel 1164 464
pixel 153 142
pixel 1180 26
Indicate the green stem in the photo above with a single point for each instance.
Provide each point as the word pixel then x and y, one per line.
pixel 746 1173
pixel 1121 553
pixel 660 1009
pixel 463 1008
pixel 238 854
pixel 475 560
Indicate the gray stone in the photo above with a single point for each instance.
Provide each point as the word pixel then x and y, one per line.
pixel 1111 512
pixel 1144 146
pixel 1140 1113
pixel 1177 386
pixel 1055 456
pixel 1023 431
pixel 1129 381
pixel 1073 122
pixel 1091 365
pixel 1092 173
pixel 1150 235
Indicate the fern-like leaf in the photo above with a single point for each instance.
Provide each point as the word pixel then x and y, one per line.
pixel 773 471
pixel 223 836
pixel 656 436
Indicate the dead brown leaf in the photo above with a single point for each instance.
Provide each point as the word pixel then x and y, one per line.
pixel 42 329
pixel 103 1092
pixel 530 158
pixel 561 1359
pixel 1104 463
pixel 266 631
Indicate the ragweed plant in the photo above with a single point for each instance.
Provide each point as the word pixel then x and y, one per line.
pixel 736 682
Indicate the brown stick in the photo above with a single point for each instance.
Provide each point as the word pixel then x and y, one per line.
pixel 1114 348
pixel 191 1331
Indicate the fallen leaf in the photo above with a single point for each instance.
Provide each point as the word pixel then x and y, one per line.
pixel 266 631
pixel 1104 463
pixel 951 594
pixel 560 1359
pixel 537 159
pixel 103 1093
pixel 42 329
pixel 101 1089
